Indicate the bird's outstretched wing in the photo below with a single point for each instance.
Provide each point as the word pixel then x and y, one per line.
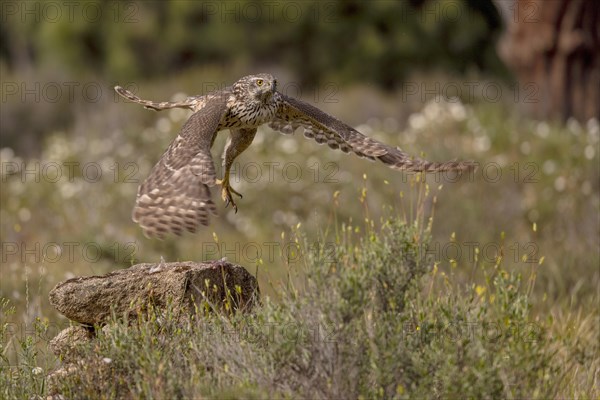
pixel 324 128
pixel 193 103
pixel 176 194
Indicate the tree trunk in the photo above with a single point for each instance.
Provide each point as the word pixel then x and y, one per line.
pixel 553 47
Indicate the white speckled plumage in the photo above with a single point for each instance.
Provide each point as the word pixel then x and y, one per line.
pixel 176 195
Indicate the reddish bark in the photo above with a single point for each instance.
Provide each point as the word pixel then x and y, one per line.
pixel 555 45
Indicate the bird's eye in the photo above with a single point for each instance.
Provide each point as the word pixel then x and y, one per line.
pixel 259 82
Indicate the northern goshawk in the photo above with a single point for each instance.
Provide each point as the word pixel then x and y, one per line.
pixel 176 195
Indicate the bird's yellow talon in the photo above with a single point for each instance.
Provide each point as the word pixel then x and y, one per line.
pixel 226 193
pixel 232 190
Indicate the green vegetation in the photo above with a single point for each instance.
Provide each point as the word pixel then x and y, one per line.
pixel 307 38
pixel 513 314
pixel 375 283
pixel 74 51
pixel 370 317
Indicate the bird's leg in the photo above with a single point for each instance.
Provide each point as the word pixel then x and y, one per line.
pixel 239 140
pixel 227 190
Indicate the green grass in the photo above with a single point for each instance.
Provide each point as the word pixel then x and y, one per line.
pixel 513 315
pixel 372 317
pixel 369 316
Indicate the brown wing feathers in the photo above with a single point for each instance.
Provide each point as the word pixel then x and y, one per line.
pixel 176 194
pixel 190 102
pixel 324 128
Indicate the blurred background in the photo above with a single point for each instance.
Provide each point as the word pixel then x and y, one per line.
pixel 512 85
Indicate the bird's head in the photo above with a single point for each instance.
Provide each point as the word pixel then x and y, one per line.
pixel 260 87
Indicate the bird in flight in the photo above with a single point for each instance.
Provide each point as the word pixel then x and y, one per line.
pixel 176 195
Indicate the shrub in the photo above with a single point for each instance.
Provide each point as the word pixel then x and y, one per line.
pixel 370 317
